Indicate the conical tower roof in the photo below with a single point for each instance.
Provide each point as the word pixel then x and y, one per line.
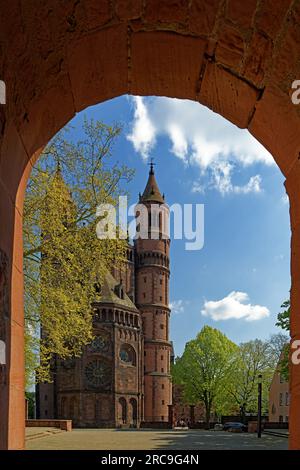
pixel 152 192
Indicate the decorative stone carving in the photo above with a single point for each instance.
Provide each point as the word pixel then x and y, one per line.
pixel 100 344
pixel 98 374
pixel 127 354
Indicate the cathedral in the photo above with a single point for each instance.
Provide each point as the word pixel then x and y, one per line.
pixel 123 377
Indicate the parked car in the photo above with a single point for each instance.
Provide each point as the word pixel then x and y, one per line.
pixel 234 426
pixel 218 427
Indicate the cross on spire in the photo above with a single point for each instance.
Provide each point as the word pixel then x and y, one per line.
pixel 151 164
pixel 58 167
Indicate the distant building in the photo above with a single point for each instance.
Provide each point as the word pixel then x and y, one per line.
pixel 182 411
pixel 279 399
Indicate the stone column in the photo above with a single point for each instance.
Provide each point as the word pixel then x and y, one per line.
pixel 293 189
pixel 12 398
pixel 14 171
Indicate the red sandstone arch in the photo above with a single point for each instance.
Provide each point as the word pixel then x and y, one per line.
pixel 56 58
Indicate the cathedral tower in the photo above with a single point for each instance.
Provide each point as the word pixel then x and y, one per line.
pixel 152 299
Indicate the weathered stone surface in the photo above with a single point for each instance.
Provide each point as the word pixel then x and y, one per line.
pixel 173 11
pixel 293 190
pixel 129 9
pixel 258 59
pixel 276 125
pixel 292 185
pixel 13 160
pixel 294 422
pixel 295 272
pixel 230 47
pixel 225 94
pixel 97 76
pixel 270 16
pixel 46 116
pixel 240 12
pixel 202 16
pixel 4 314
pixel 12 384
pixel 7 221
pixel 169 64
pixel 95 13
pixel 286 61
pixel 4 335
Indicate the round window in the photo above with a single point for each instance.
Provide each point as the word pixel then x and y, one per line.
pixel 99 344
pixel 127 354
pixel 97 373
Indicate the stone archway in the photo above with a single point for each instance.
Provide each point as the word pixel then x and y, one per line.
pixel 56 58
pixel 122 411
pixel 133 412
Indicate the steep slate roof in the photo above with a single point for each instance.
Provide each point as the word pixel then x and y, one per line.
pixel 109 296
pixel 152 192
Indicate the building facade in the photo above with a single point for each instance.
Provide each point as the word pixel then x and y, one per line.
pixel 190 415
pixel 279 399
pixel 123 377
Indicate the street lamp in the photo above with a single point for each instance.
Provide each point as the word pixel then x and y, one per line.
pixel 259 406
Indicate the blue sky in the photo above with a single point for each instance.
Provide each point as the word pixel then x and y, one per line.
pixel 238 280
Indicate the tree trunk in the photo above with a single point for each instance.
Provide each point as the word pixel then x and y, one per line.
pixel 243 413
pixel 207 416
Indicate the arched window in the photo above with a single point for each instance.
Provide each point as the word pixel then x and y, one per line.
pixel 63 407
pixel 72 409
pixel 127 355
pixel 133 411
pixel 98 410
pixel 122 410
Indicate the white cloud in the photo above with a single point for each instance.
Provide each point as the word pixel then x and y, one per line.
pixel 179 142
pixel 198 137
pixel 220 178
pixel 285 199
pixel 177 306
pixel 253 186
pixel 143 130
pixel 234 306
pixel 198 188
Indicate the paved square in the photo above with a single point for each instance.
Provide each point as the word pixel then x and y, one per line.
pixel 112 439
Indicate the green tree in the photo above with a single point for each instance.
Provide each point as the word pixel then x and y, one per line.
pixel 30 397
pixel 63 259
pixel 205 369
pixel 277 342
pixel 251 359
pixel 283 318
pixel 283 321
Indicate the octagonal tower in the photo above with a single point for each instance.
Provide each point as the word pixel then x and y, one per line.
pixel 152 273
